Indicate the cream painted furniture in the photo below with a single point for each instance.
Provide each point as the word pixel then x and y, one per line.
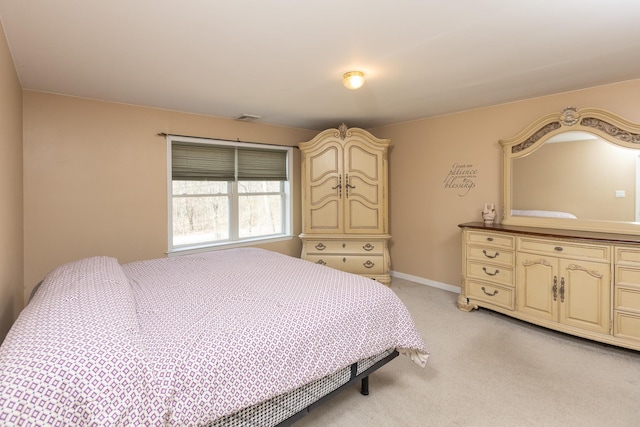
pixel 566 254
pixel 580 185
pixel 626 296
pixel 345 202
pixel 579 282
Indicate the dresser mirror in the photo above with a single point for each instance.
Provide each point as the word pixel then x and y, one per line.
pixel 576 170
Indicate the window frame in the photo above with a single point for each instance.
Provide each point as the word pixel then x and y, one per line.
pixel 286 191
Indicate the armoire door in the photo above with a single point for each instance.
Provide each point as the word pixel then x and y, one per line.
pixel 324 192
pixel 364 186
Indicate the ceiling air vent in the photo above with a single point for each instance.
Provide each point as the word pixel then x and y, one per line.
pixel 248 117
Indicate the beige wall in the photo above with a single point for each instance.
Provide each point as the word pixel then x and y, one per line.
pixel 11 244
pixel 424 212
pixel 96 177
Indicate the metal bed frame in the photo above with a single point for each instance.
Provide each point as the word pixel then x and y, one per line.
pixel 286 409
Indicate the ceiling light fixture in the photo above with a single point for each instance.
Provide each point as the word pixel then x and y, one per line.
pixel 353 79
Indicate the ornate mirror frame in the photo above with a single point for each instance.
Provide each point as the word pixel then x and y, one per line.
pixel 604 124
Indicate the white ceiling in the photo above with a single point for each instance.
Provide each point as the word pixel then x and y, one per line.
pixel 283 59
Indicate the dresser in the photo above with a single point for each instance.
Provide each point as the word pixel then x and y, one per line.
pixel 578 282
pixel 345 202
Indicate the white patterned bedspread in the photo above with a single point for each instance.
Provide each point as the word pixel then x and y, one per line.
pixel 186 340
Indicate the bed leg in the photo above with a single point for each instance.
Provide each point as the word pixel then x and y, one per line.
pixel 364 389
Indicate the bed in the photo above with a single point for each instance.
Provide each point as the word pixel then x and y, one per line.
pixel 235 337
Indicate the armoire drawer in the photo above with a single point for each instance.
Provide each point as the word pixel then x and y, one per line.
pixel 500 296
pixel 345 247
pixel 373 264
pixel 587 252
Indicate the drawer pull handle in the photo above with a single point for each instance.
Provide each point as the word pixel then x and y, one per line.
pixel 558 249
pixel 489 256
pixel 368 264
pixel 489 239
pixel 487 293
pixel 320 246
pixel 490 274
pixel 368 247
pixel 321 262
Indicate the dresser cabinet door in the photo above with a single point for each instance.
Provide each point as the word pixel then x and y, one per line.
pixel 574 293
pixel 585 295
pixel 537 286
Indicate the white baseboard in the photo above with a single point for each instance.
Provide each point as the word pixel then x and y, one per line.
pixel 423 281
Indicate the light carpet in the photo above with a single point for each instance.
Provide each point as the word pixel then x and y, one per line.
pixel 486 369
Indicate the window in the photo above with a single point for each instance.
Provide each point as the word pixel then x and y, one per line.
pixel 226 193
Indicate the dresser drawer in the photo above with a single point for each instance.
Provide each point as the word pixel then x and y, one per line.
pixel 344 247
pixel 627 299
pixel 486 238
pixel 626 326
pixel 500 296
pixel 490 272
pixel 493 255
pixel 373 264
pixel 566 249
pixel 629 256
pixel 627 276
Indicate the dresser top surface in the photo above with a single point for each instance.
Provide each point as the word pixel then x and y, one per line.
pixel 553 232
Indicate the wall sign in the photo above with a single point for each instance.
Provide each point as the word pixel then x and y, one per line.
pixel 461 178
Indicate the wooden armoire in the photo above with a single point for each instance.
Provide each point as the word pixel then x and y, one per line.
pixel 345 202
